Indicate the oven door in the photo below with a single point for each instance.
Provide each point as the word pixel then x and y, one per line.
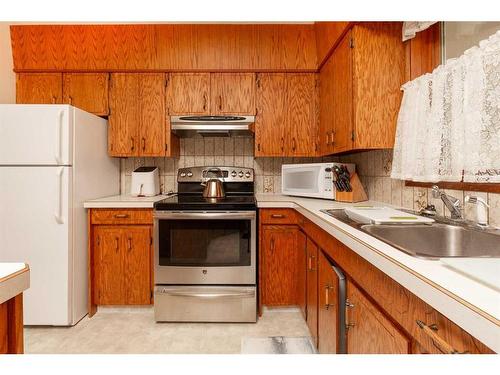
pixel 217 248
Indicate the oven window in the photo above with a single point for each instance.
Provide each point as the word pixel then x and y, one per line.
pixel 204 243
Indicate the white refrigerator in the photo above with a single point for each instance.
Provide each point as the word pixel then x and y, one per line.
pixel 52 159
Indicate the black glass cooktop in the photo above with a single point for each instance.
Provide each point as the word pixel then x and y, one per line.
pixel 184 202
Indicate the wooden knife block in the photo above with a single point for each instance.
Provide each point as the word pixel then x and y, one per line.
pixel 358 193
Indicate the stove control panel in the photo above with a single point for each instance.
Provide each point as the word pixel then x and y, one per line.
pixel 228 174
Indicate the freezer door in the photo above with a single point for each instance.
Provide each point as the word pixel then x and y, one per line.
pixel 35 228
pixel 36 134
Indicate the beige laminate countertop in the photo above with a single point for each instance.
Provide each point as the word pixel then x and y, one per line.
pixel 14 279
pixel 464 297
pixel 123 201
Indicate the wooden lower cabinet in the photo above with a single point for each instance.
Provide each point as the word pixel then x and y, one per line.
pixel 328 308
pixel 278 265
pixel 11 326
pixel 120 257
pixel 369 331
pixel 312 289
pixel 301 287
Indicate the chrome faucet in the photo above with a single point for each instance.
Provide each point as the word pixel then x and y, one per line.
pixel 453 204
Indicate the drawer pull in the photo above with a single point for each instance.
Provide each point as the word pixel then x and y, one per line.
pixel 121 216
pixel 348 305
pixel 277 216
pixel 442 345
pixel 327 296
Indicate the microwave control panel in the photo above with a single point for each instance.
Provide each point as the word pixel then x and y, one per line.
pixel 328 183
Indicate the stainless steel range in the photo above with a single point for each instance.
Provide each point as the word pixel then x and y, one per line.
pixel 205 248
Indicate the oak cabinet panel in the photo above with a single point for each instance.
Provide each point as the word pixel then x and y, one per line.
pixel 39 88
pixel 312 289
pixel 369 331
pixel 328 307
pixel 87 91
pixel 327 35
pixel 188 94
pixel 233 93
pixel 121 265
pixel 109 265
pixel 278 249
pixel 302 273
pixel 286 114
pixel 326 112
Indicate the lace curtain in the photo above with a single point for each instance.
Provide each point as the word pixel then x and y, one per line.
pixel 410 29
pixel 449 121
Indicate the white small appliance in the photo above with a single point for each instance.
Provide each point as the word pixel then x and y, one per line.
pixel 313 180
pixel 52 159
pixel 145 182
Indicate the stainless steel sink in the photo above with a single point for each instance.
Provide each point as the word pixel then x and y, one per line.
pixel 437 240
pixel 442 239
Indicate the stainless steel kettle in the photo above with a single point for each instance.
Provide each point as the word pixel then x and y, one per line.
pixel 214 187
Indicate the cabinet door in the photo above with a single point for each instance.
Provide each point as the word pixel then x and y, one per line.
pixel 301 115
pixel 87 91
pixel 137 265
pixel 326 115
pixel 39 88
pixel 312 289
pixel 125 115
pixel 342 110
pixel 271 114
pixel 233 93
pixel 108 265
pixel 152 114
pixel 188 94
pixel 301 273
pixel 328 307
pixel 369 331
pixel 279 264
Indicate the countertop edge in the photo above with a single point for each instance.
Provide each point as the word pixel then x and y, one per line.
pixel 477 322
pixel 14 284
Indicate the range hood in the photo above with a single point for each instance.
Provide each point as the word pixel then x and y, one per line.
pixel 212 126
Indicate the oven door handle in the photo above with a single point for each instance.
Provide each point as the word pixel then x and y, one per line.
pixel 206 295
pixel 183 215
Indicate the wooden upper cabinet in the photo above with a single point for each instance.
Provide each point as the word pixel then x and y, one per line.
pixel 233 93
pixel 39 88
pixel 188 94
pixel 312 289
pixel 327 36
pixel 328 307
pixel 369 330
pixel 271 114
pixel 342 136
pixel 301 109
pixel 123 130
pixel 326 110
pixel 152 114
pixel 87 91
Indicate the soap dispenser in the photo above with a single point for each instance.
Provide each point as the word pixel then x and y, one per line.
pixel 481 209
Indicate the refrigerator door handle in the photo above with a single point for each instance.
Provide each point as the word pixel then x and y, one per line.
pixel 59 137
pixel 59 214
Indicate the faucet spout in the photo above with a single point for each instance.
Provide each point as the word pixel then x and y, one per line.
pixel 452 204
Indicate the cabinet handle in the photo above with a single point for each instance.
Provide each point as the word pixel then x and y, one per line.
pixel 348 305
pixel 294 144
pixel 438 342
pixel 282 144
pixel 204 101
pixel 121 216
pixel 117 243
pixel 332 135
pixel 327 296
pixel 311 263
pixel 132 147
pixel 220 102
pixel 54 99
pixel 327 138
pixel 70 100
pixel 143 144
pixel 129 244
pixel 277 216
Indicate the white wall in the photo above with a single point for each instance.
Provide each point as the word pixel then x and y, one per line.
pixel 7 76
pixel 459 36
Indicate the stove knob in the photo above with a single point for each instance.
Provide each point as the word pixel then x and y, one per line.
pixel 183 174
pixel 233 173
pixel 247 175
pixel 240 174
pixel 190 174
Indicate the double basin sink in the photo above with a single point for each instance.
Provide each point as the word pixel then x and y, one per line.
pixel 441 239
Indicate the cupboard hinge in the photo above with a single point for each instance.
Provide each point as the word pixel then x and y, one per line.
pixel 352 135
pixel 151 240
pixel 166 81
pixel 258 146
pixel 351 43
pixel 166 146
pixel 256 111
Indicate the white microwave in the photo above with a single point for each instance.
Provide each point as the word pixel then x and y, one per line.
pixel 313 180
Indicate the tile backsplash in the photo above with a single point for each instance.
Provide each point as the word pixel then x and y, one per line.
pixel 374 169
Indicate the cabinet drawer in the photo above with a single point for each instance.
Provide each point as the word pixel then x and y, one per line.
pixel 278 216
pixel 122 216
